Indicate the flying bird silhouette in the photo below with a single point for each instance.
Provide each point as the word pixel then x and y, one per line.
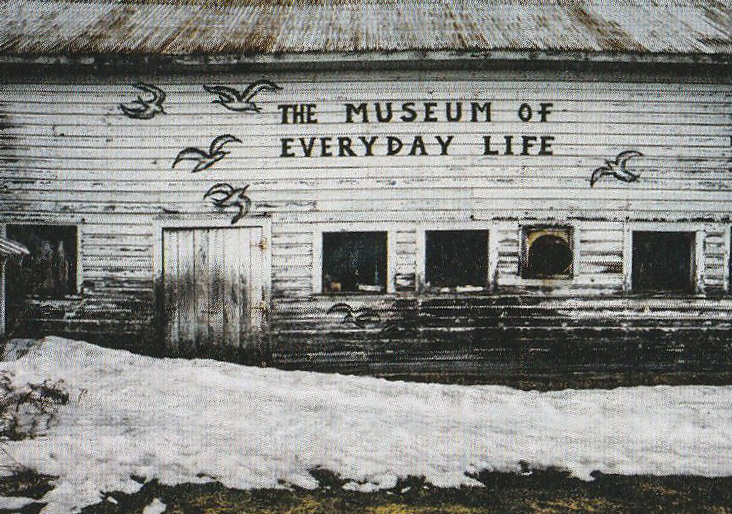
pixel 616 168
pixel 145 109
pixel 205 159
pixel 358 317
pixel 241 101
pixel 224 195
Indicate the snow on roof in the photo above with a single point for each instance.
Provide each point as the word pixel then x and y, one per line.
pixel 10 247
pixel 179 420
pixel 234 27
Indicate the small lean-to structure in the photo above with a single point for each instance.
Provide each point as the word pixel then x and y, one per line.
pixel 380 186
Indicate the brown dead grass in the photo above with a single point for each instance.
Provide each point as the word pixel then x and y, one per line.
pixel 538 492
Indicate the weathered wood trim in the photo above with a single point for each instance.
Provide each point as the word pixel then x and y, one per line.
pixel 370 59
pixel 354 226
pixel 317 275
pixel 3 302
pixel 79 259
pixel 699 260
pixel 627 258
pixel 420 258
pixel 2 296
pixel 727 241
pixel 699 230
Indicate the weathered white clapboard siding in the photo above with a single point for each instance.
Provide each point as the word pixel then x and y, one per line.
pixel 67 155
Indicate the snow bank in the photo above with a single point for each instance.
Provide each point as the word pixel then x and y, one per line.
pixel 179 420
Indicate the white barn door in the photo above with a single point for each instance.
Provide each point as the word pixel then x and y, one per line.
pixel 214 287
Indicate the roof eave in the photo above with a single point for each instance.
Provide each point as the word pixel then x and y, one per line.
pixel 446 58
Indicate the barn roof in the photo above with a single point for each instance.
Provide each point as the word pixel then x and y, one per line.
pixel 9 247
pixel 260 27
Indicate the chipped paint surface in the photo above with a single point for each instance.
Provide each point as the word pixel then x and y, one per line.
pixel 35 27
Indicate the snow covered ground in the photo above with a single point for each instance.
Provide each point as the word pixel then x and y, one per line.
pixel 190 421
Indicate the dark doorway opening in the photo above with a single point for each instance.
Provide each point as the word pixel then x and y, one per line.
pixel 663 261
pixel 455 258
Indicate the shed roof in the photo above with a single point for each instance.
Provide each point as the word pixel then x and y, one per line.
pixel 261 27
pixel 9 247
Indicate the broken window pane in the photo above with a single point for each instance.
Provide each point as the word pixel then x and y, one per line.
pixel 663 261
pixel 50 269
pixel 354 262
pixel 547 252
pixel 455 258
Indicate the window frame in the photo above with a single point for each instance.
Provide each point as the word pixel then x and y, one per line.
pixel 727 235
pixel 79 278
pixel 421 254
pixel 698 265
pixel 574 240
pixel 317 274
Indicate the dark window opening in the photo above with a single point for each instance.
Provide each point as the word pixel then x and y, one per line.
pixel 547 253
pixel 50 269
pixel 354 262
pixel 663 261
pixel 455 258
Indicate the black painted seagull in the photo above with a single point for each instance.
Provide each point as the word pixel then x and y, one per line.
pixel 616 168
pixel 145 109
pixel 358 317
pixel 205 159
pixel 224 195
pixel 241 101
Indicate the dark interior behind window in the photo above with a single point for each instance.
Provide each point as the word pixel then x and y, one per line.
pixel 663 261
pixel 354 261
pixel 50 269
pixel 456 258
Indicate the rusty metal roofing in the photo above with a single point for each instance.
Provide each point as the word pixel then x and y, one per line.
pixel 10 247
pixel 79 28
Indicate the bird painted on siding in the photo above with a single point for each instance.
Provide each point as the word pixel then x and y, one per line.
pixel 241 101
pixel 616 168
pixel 358 317
pixel 203 159
pixel 145 109
pixel 224 195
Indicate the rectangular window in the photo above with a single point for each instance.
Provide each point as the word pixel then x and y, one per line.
pixel 548 252
pixel 50 269
pixel 663 261
pixel 456 258
pixel 354 262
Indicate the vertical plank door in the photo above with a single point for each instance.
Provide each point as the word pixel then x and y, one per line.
pixel 214 287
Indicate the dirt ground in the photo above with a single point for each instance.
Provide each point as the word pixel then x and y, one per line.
pixel 535 492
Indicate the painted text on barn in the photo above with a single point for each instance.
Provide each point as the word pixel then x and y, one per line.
pixel 412 145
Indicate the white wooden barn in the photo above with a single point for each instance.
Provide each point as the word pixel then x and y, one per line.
pixel 371 185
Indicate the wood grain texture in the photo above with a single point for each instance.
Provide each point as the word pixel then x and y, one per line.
pixel 67 154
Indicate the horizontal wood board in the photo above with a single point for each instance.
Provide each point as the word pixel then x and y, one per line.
pixel 69 156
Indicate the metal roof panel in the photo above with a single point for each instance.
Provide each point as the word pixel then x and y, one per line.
pixel 64 27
